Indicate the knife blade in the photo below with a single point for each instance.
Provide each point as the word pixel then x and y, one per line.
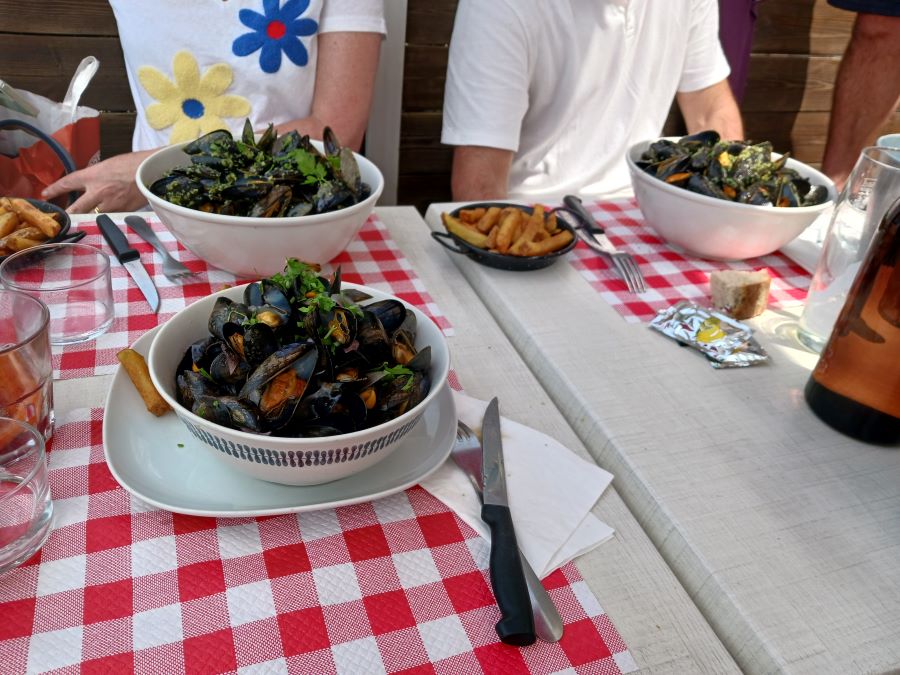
pixel 129 258
pixel 516 625
pixel 594 234
pixel 548 624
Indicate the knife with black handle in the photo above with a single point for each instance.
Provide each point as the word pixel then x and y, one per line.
pixel 516 626
pixel 587 220
pixel 129 258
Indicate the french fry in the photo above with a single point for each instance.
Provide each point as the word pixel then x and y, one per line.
pixel 533 226
pixel 471 216
pixel 15 243
pixel 28 232
pixel 34 216
pixel 554 243
pixel 552 224
pixel 509 224
pixel 488 220
pixel 139 374
pixel 492 238
pixel 5 205
pixel 9 223
pixel 463 231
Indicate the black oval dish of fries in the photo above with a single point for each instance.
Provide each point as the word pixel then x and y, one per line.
pixel 499 260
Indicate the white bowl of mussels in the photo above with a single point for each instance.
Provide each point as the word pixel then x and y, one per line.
pixel 245 204
pixel 299 379
pixel 725 200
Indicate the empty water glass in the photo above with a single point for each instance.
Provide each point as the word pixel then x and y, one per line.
pixel 75 283
pixel 26 509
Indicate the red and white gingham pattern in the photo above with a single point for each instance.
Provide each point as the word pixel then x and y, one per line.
pixel 396 585
pixel 372 258
pixel 670 276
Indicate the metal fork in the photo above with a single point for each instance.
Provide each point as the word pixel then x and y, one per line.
pixel 623 262
pixel 173 270
pixel 548 624
pixel 592 234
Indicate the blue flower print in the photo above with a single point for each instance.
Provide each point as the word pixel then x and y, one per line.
pixel 277 29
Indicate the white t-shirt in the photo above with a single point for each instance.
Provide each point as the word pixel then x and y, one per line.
pixel 569 85
pixel 196 65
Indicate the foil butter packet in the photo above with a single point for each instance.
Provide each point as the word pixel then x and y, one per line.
pixel 725 342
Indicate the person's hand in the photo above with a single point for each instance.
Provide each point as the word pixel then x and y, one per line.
pixel 108 185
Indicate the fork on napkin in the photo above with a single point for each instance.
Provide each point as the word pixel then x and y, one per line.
pixel 551 492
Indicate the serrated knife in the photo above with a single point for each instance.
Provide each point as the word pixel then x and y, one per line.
pixel 129 258
pixel 516 625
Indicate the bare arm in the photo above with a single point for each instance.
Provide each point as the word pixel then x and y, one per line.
pixel 712 108
pixel 480 173
pixel 345 82
pixel 866 92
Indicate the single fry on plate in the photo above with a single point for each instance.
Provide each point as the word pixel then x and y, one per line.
pixel 509 230
pixel 139 374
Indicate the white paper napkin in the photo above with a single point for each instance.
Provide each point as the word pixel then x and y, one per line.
pixel 551 492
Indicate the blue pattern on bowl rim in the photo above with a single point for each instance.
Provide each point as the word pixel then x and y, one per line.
pixel 299 459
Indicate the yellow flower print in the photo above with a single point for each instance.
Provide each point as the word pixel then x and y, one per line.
pixel 194 104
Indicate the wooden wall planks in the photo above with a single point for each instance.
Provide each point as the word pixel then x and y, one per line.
pixel 796 52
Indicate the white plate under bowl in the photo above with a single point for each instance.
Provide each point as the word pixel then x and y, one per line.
pixel 158 461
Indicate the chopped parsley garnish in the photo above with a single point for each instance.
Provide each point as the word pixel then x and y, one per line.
pixel 396 372
pixel 294 270
pixel 312 169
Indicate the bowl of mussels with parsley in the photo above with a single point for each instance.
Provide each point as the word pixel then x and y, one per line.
pixel 299 378
pixel 725 200
pixel 245 203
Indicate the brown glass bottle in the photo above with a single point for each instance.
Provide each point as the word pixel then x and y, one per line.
pixel 855 387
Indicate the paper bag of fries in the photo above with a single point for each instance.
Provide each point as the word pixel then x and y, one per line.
pixel 42 140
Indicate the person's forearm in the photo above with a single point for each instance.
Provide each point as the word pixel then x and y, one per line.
pixel 712 108
pixel 480 173
pixel 867 91
pixel 345 83
pixel 726 121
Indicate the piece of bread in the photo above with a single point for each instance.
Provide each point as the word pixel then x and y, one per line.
pixel 741 294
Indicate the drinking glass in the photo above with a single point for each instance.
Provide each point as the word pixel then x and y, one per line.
pixel 872 186
pixel 26 363
pixel 73 280
pixel 26 509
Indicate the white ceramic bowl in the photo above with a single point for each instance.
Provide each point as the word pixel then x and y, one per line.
pixel 256 247
pixel 718 229
pixel 291 461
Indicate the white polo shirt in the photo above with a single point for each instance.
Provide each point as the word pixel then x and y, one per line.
pixel 569 85
pixel 198 65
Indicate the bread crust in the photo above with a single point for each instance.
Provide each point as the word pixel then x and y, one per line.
pixel 742 294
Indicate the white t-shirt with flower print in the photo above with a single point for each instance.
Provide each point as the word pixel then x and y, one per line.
pixel 198 65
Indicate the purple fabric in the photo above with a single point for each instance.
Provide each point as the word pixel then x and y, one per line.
pixel 736 20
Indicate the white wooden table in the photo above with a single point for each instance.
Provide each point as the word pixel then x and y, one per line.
pixel 785 533
pixel 662 627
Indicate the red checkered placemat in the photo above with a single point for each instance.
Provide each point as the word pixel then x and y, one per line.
pixel 670 276
pixel 372 258
pixel 395 585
